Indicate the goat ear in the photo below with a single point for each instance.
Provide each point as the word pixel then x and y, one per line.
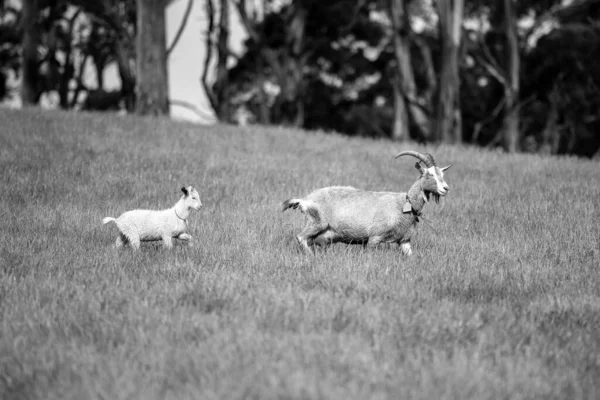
pixel 184 190
pixel 419 167
pixel 445 168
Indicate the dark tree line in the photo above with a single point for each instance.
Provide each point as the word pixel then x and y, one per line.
pixel 517 74
pixel 53 45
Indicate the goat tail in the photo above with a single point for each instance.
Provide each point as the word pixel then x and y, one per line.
pixel 108 219
pixel 291 203
pixel 306 206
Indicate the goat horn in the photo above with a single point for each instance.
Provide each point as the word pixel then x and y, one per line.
pixel 426 158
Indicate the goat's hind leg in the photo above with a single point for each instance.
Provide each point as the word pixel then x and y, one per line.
pixel 310 232
pixel 374 241
pixel 325 238
pixel 135 242
pixel 121 241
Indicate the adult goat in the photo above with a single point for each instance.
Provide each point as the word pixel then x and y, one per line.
pixel 349 215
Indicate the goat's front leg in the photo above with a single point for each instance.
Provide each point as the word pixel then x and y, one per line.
pixel 186 237
pixel 374 241
pixel 167 242
pixel 405 248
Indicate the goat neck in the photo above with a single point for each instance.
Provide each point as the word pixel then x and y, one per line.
pixel 181 209
pixel 416 196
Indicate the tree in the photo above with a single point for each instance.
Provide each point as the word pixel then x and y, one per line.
pixel 62 59
pixel 511 80
pixel 499 52
pixel 404 80
pixel 277 50
pixel 412 104
pixel 216 92
pixel 10 45
pixel 448 122
pixel 152 86
pixel 30 73
pixel 563 83
pixel 306 65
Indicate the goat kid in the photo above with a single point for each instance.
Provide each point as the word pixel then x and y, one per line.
pixel 151 225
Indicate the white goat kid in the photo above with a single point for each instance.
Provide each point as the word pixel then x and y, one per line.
pixel 349 215
pixel 151 225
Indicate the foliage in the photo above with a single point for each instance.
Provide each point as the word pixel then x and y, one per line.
pixel 9 48
pixel 327 73
pixel 344 89
pixel 330 65
pixel 541 79
pixel 72 32
pixel 563 74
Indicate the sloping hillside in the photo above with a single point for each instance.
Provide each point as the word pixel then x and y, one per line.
pixel 500 299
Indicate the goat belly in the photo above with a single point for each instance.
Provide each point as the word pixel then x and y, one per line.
pixel 350 233
pixel 150 237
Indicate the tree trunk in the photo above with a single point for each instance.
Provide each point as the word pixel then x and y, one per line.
pixel 401 122
pixel 295 63
pixel 216 91
pixel 79 80
pixel 99 74
pixel 126 75
pixel 510 124
pixel 551 126
pixel 151 64
pixel 222 73
pixel 427 96
pixel 511 90
pixel 68 71
pixel 448 125
pixel 30 72
pixel 405 89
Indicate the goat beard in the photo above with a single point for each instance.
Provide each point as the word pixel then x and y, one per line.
pixel 435 196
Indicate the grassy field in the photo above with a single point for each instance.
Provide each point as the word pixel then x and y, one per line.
pixel 502 302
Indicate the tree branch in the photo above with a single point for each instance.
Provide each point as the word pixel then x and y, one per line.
pixel 210 9
pixel 68 70
pixel 558 11
pixel 189 106
pixel 499 135
pixel 109 21
pixel 184 22
pixel 494 115
pixel 79 80
pixel 345 29
pixel 492 70
pixel 427 59
pixel 245 19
